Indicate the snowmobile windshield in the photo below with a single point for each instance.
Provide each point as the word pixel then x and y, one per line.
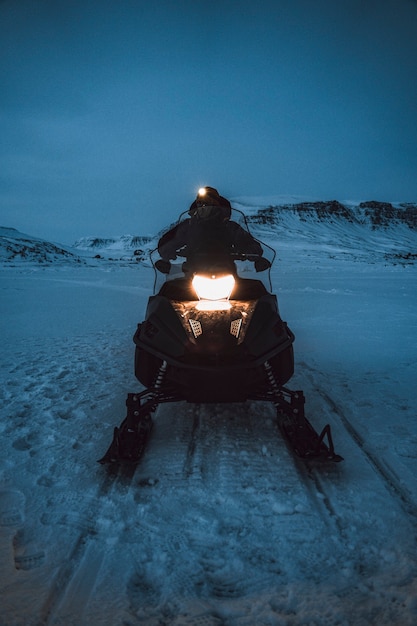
pixel 214 249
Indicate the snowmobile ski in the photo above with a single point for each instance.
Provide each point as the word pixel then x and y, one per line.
pixel 300 434
pixel 297 430
pixel 130 438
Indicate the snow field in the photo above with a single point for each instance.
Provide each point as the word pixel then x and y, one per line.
pixel 219 524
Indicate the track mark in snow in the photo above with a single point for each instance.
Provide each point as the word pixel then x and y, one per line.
pixel 75 579
pixel 12 507
pixel 189 461
pixel 311 475
pixel 358 500
pixel 26 552
pixel 222 484
pixel 390 478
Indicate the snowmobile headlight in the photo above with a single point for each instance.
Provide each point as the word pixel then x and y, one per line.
pixel 213 291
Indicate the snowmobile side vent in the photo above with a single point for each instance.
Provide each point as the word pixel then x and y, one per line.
pixel 235 326
pixel 196 328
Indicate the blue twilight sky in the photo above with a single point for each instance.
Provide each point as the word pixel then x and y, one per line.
pixel 113 112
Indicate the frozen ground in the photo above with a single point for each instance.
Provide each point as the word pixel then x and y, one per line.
pixel 219 524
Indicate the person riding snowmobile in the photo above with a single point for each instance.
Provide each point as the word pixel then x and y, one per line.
pixel 208 237
pixel 211 335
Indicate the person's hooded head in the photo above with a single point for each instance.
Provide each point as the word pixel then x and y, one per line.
pixel 209 204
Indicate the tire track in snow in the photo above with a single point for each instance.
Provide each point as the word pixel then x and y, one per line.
pixel 75 579
pixel 194 437
pixel 184 510
pixel 391 480
pixel 238 490
pixel 239 457
pixel 222 511
pixel 375 512
pixel 310 473
pixel 222 453
pixel 370 556
pixel 156 536
pixel 393 534
pixel 389 477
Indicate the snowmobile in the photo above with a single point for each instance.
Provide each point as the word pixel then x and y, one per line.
pixel 215 335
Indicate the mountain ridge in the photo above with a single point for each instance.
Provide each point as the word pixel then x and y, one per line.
pixel 371 212
pixel 381 228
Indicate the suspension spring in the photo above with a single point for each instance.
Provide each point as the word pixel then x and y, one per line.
pixel 272 381
pixel 160 376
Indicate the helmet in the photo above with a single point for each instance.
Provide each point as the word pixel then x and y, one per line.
pixel 208 195
pixel 209 203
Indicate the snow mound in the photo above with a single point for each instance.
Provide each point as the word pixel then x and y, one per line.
pixel 119 248
pixel 17 247
pixel 119 244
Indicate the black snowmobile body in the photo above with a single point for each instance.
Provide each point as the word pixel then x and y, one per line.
pixel 230 348
pixel 214 356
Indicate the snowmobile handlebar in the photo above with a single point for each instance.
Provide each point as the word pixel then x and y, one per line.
pixel 260 262
pixel 242 256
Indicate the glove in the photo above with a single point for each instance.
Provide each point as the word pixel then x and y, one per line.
pixel 163 266
pixel 262 264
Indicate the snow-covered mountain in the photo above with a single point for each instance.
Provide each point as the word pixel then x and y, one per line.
pixel 17 247
pixel 382 229
pixel 375 229
pixel 116 245
pixel 371 212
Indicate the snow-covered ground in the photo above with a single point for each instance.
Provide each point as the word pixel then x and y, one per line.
pixel 220 524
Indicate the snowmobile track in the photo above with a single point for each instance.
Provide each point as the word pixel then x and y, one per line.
pixel 309 473
pixel 322 501
pixel 231 451
pixel 189 461
pixel 390 479
pixel 69 572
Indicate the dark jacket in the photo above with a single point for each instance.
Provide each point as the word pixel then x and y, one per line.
pixel 211 239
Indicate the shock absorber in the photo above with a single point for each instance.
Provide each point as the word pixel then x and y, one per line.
pixel 136 411
pixel 290 403
pixel 160 376
pixel 140 414
pixel 272 381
